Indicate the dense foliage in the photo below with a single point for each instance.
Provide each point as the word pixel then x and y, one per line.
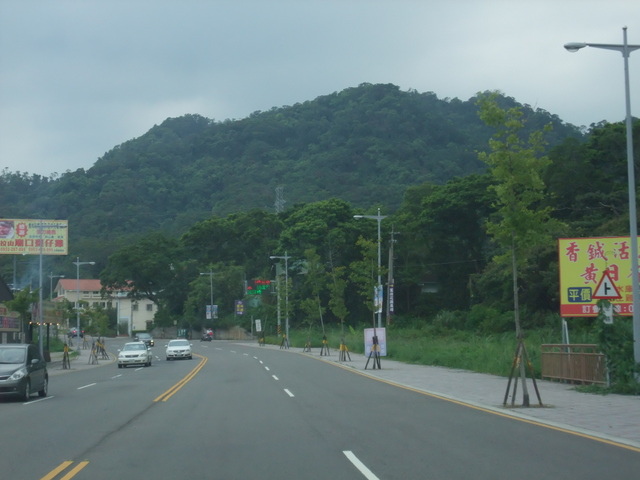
pixel 364 145
pixel 184 212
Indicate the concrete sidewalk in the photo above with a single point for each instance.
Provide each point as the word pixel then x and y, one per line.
pixel 611 417
pixel 82 361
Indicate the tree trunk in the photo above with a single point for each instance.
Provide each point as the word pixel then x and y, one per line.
pixel 519 335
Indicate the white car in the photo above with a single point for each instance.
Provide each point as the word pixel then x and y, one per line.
pixel 134 353
pixel 179 348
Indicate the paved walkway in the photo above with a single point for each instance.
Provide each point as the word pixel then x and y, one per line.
pixel 82 361
pixel 610 417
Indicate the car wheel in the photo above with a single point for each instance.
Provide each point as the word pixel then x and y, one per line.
pixel 190 357
pixel 45 387
pixel 26 394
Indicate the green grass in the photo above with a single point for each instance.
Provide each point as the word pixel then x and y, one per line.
pixel 492 354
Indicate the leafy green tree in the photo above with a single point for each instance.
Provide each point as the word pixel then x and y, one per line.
pixel 326 226
pixel 443 240
pixel 315 283
pixel 522 221
pixel 616 342
pixel 364 273
pixel 98 317
pixel 151 269
pixel 588 181
pixel 225 286
pixel 22 303
pixel 337 285
pixel 245 239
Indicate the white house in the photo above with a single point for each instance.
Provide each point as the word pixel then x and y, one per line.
pixel 133 315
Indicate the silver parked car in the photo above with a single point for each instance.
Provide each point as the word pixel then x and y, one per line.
pixel 134 353
pixel 179 348
pixel 22 371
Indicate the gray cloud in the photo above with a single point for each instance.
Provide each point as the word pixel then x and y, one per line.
pixel 79 77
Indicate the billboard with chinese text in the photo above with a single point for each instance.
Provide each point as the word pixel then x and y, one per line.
pixel 583 263
pixel 33 237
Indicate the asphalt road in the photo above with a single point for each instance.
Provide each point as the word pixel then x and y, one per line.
pixel 236 412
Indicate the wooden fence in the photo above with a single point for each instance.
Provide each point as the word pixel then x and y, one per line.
pixel 575 363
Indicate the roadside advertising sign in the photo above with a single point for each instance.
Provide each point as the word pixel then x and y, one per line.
pixel 592 269
pixel 381 333
pixel 33 237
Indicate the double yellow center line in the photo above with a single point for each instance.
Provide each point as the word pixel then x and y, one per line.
pixel 169 393
pixel 72 473
pixel 162 398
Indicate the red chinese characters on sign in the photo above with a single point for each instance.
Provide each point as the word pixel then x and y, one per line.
pixel 596 250
pixel 590 274
pixel 621 251
pixel 614 272
pixel 572 252
pixel 582 264
pixel 21 229
pixel 33 237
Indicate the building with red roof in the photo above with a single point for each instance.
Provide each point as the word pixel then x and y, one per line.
pixel 134 315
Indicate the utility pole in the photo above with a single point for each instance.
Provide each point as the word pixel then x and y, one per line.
pixel 390 281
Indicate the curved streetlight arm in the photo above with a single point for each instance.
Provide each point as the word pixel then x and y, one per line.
pixel 575 46
pixel 626 50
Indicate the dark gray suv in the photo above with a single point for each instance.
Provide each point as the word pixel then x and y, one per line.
pixel 22 371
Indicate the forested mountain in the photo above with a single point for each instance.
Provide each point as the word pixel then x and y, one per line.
pixel 365 145
pixel 194 195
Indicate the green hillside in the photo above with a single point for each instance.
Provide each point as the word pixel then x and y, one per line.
pixel 364 145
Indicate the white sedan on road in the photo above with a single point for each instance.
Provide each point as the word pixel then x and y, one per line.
pixel 134 353
pixel 179 348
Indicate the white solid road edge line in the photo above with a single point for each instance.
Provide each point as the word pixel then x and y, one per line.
pixel 359 465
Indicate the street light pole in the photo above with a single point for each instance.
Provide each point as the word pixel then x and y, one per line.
pixel 379 219
pixel 210 273
pixel 626 50
pixel 286 292
pixel 77 263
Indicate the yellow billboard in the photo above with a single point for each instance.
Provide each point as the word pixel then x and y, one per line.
pixel 33 237
pixel 587 265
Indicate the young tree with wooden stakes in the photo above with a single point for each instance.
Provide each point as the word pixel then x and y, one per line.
pixel 522 220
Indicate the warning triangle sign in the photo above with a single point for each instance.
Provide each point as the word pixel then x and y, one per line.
pixel 606 289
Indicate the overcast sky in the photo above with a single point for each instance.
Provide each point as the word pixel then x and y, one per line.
pixel 78 77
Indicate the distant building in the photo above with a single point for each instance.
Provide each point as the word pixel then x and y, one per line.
pixel 133 315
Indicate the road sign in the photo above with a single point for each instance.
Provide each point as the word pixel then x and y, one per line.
pixel 606 289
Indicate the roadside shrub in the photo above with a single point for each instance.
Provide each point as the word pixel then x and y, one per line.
pixel 616 342
pixel 489 320
pixel 446 319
